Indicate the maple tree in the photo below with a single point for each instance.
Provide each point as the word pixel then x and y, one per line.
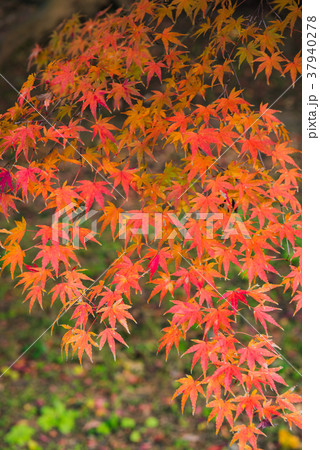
pixel 126 109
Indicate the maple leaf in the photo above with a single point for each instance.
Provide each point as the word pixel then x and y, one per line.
pixel 81 313
pixel 204 28
pixel 287 399
pixel 54 233
pixel 65 290
pixel 116 311
pixel 15 234
pixel 22 138
pixel 110 216
pixel 158 257
pixel 90 191
pixel 33 55
pixel 164 285
pixel 183 5
pixel 172 336
pixel 206 294
pixel 228 371
pixel 80 340
pixel 257 265
pixel 295 12
pixel 219 71
pixel 64 77
pixel 185 312
pixel 294 418
pixel 269 39
pixel 222 410
pixel 189 388
pixel 226 256
pixel 290 229
pixel 265 211
pixel 280 154
pixel 137 118
pixel 63 197
pixel 290 177
pixel 125 91
pixel 36 276
pixel 270 375
pixel 107 296
pixel 35 293
pixel 197 230
pixel 298 299
pixel 186 278
pixel 92 99
pixel 255 144
pixel 164 11
pixel 268 63
pixel 5 181
pixel 234 297
pixel 14 255
pixel 247 53
pixel 205 112
pixel 254 353
pixel 269 411
pixel 180 121
pixel 153 265
pixel 213 386
pixel 216 319
pixel 249 403
pixel 261 313
pixel 53 254
pixel 168 36
pixel 82 234
pixel 201 139
pixel 153 67
pixel 244 434
pixel 66 133
pixel 230 103
pixel 294 67
pixel 109 335
pixel 26 177
pixel 124 177
pixel 26 89
pixel 102 127
pixel 201 351
pixel 267 114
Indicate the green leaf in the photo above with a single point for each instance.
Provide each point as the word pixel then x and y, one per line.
pixel 151 422
pixel 128 422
